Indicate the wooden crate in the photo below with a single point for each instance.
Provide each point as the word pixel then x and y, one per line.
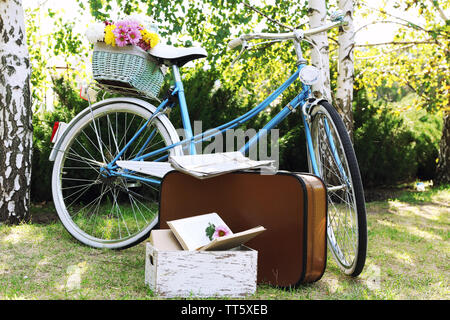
pixel 181 273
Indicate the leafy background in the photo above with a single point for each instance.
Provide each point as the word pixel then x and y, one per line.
pixel 399 98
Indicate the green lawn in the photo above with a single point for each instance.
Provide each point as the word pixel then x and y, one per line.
pixel 408 258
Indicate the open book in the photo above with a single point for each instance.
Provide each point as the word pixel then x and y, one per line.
pixel 199 165
pixel 209 232
pixel 209 165
pixel 232 240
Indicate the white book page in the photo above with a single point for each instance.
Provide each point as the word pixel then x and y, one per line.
pixel 192 230
pixel 209 164
pixel 156 169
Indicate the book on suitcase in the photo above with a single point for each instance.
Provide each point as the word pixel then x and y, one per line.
pixel 291 206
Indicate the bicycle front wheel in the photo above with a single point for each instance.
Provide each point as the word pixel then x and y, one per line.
pixel 101 210
pixel 338 167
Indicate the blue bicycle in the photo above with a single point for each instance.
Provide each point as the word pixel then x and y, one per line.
pixel 104 205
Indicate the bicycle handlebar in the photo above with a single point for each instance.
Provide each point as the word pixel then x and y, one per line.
pixel 234 43
pixel 283 36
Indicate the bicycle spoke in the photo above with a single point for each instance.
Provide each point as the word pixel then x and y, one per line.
pixel 139 137
pixel 131 202
pixel 343 234
pixel 80 190
pixel 126 130
pixel 139 142
pixel 78 186
pixel 101 143
pixel 97 135
pixel 96 210
pixel 85 160
pixel 103 208
pixel 119 215
pixel 89 154
pixel 112 133
pixel 85 189
pixel 92 143
pixel 75 179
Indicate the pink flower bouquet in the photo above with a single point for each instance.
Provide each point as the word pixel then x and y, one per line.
pixel 221 231
pixel 214 232
pixel 122 33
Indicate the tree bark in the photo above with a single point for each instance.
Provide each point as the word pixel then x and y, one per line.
pixel 443 166
pixel 344 90
pixel 16 132
pixel 317 14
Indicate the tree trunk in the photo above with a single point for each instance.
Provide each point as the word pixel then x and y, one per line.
pixel 16 132
pixel 443 166
pixel 344 90
pixel 317 14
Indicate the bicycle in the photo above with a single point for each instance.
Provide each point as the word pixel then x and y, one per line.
pixel 105 206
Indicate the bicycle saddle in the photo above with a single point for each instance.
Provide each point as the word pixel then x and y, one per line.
pixel 177 55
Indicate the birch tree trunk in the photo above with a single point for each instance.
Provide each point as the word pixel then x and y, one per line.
pixel 443 166
pixel 344 89
pixel 317 14
pixel 16 131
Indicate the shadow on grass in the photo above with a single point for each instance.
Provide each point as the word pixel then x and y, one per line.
pixel 43 213
pixel 408 254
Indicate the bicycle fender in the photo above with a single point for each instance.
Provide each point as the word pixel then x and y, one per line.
pixel 162 117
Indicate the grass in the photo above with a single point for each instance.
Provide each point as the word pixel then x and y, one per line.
pixel 408 256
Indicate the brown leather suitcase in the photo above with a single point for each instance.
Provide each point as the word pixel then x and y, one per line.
pixel 291 206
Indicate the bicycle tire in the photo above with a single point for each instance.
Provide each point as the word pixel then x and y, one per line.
pixel 338 167
pixel 122 212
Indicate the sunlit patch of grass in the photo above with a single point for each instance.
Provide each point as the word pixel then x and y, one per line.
pixel 114 222
pixel 437 194
pixel 408 254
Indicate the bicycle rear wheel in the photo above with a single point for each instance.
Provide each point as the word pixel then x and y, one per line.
pixel 338 167
pixel 102 210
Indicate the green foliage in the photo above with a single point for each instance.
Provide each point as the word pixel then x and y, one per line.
pixel 215 104
pixel 293 156
pixel 61 42
pixel 391 147
pixel 384 148
pixel 41 166
pixel 211 25
pixel 427 130
pixel 418 57
pixel 403 146
pixel 66 41
pixel 210 230
pixel 207 100
pixel 68 104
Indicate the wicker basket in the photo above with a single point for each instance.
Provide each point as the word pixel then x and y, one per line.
pixel 128 69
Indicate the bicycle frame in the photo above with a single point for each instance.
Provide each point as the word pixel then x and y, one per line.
pixel 191 140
